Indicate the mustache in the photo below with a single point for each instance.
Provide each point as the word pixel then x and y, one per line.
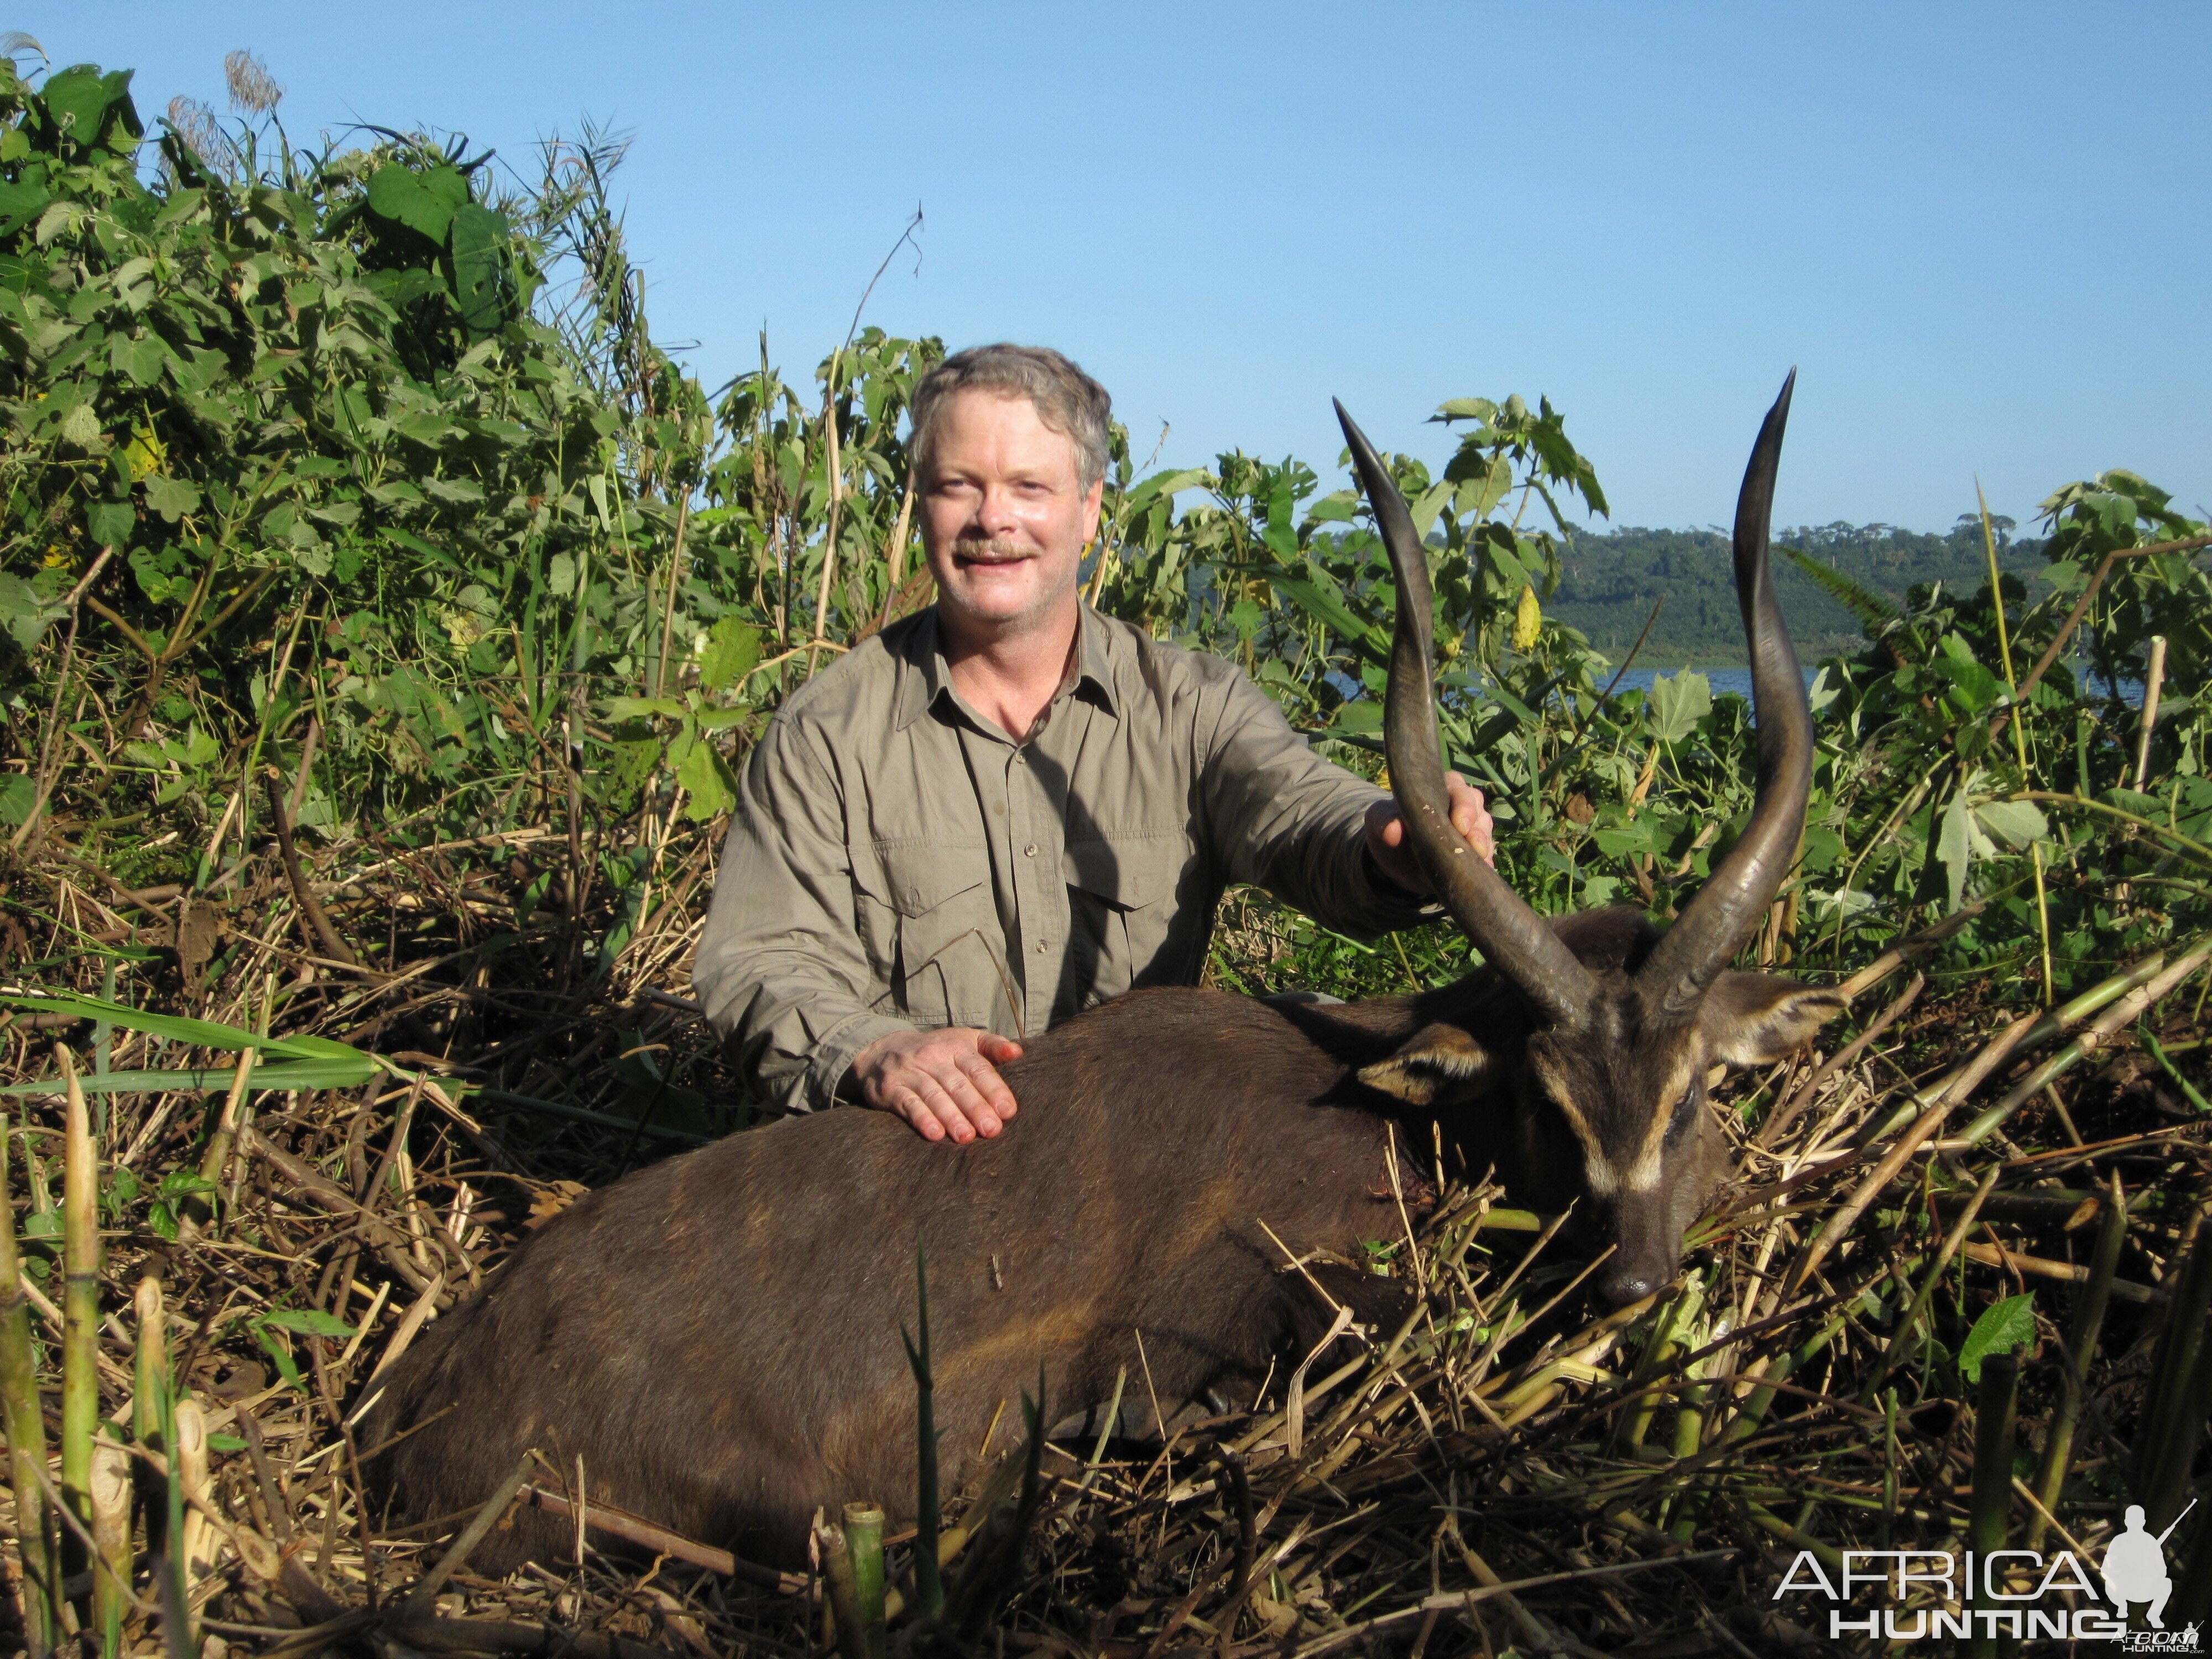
pixel 989 549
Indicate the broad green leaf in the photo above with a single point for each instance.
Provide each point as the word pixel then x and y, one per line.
pixel 170 497
pixel 17 791
pixel 479 250
pixel 1363 716
pixel 423 202
pixel 631 708
pixel 1677 704
pixel 140 359
pixel 2019 823
pixel 2004 1327
pixel 23 614
pixel 20 200
pixel 706 775
pixel 732 648
pixel 110 523
pixel 79 99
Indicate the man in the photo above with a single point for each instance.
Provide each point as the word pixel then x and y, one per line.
pixel 1008 808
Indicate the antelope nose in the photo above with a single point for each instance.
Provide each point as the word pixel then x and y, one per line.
pixel 1625 1286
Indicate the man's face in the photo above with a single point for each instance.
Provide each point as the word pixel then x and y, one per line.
pixel 1005 518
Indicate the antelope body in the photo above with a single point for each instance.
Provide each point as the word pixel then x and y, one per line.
pixel 718 1337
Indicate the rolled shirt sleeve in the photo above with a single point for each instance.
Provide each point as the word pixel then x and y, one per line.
pixel 780 965
pixel 1285 818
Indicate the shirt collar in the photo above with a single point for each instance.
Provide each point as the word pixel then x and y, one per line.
pixel 924 676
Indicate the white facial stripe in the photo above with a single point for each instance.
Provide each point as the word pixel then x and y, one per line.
pixel 1644 1174
pixel 1597 1169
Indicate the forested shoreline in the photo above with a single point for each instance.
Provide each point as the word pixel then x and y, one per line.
pixel 1613 579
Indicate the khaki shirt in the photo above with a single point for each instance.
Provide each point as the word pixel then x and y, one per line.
pixel 896 860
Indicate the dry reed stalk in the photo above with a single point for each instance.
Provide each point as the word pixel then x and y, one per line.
pixel 108 1499
pixel 215 1164
pixel 195 1549
pixel 80 1296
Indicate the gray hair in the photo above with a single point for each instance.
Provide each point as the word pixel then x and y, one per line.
pixel 1066 400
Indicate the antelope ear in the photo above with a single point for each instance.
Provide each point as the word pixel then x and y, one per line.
pixel 1755 1019
pixel 1436 1063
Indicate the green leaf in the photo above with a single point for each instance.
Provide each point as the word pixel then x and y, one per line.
pixel 170 497
pixel 1954 846
pixel 140 359
pixel 631 708
pixel 286 1366
pixel 78 100
pixel 110 523
pixel 479 249
pixel 2004 1327
pixel 732 648
pixel 1677 704
pixel 706 774
pixel 307 1321
pixel 23 614
pixel 20 200
pixel 203 1033
pixel 2019 823
pixel 423 202
pixel 17 792
pixel 1362 716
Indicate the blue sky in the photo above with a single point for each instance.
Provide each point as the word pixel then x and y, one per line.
pixel 1980 231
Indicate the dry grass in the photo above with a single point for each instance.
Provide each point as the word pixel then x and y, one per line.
pixel 1510 1471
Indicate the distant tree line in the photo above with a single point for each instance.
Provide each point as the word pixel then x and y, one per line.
pixel 1613 579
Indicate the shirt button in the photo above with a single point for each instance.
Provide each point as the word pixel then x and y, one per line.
pixel 1021 758
pixel 1040 947
pixel 1030 851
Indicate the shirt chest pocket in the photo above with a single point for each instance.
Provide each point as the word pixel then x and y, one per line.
pixel 936 933
pixel 1121 891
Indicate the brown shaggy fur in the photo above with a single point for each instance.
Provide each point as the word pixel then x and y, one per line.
pixel 718 1335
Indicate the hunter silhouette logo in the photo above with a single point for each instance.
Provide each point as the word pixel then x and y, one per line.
pixel 2135 1566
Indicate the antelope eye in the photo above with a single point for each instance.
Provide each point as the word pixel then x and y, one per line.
pixel 1685 1113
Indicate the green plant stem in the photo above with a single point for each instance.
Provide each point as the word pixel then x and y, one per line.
pixel 2081 1348
pixel 929 1576
pixel 26 1438
pixel 1926 1294
pixel 1992 1502
pixel 2134 1003
pixel 2173 1415
pixel 2195 849
pixel 864 1539
pixel 2158 1054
